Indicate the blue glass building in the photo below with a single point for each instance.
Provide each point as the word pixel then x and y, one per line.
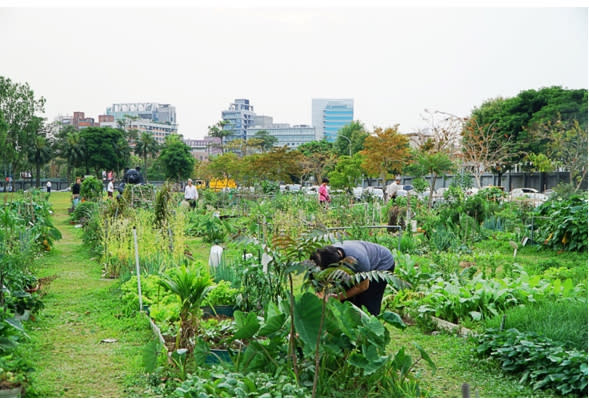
pixel 330 115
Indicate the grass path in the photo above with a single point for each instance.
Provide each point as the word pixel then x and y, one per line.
pixel 81 310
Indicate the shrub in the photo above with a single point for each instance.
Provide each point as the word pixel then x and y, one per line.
pixel 91 189
pixel 565 223
pixel 540 361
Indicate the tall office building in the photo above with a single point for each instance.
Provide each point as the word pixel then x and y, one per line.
pixel 330 115
pixel 240 116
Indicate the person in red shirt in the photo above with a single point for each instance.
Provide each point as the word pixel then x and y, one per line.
pixel 324 198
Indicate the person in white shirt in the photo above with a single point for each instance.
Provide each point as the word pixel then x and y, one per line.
pixel 190 194
pixel 48 186
pixel 110 188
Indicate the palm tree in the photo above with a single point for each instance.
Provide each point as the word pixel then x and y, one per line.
pixel 39 150
pixel 71 148
pixel 218 130
pixel 145 146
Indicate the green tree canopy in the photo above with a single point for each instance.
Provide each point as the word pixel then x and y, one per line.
pixel 267 141
pixel 347 172
pixel 105 148
pixel 18 106
pixel 350 139
pixel 316 146
pixel 516 118
pixel 176 158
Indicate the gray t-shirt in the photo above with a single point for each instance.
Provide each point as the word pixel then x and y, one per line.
pixel 370 256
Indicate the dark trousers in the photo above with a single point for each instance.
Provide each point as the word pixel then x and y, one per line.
pixel 372 297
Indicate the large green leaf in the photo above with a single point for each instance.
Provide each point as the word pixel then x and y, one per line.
pixel 425 356
pixel 274 320
pixel 369 360
pixel 307 312
pixel 394 319
pixel 246 325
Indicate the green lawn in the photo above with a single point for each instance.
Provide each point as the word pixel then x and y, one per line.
pixel 81 310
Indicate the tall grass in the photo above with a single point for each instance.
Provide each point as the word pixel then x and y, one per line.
pixel 564 321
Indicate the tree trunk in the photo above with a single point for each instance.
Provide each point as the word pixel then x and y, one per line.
pixel 38 171
pixel 431 191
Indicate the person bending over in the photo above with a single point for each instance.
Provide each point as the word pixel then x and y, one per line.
pixel 367 257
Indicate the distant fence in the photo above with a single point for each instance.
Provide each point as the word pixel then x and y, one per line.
pixel 511 180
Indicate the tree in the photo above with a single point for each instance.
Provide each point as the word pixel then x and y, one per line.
pixel 266 140
pixel 146 145
pixel 71 148
pixel 105 149
pixel 347 172
pixel 316 146
pixel 484 150
pixel 566 147
pixel 275 165
pixel 386 151
pixel 516 118
pixel 350 139
pixel 429 163
pixel 176 158
pixel 225 165
pixel 218 130
pixel 18 106
pixel 39 151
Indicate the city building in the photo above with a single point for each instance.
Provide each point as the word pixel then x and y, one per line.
pixel 154 118
pixel 328 116
pixel 290 136
pixel 240 116
pixel 156 112
pixel 203 149
pixel 79 120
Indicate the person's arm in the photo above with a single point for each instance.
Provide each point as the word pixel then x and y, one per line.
pixel 354 290
pixel 351 292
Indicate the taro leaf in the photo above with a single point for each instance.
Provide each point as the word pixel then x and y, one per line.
pixel 425 356
pixel 246 325
pixel 373 331
pixel 273 323
pixel 347 317
pixel 402 362
pixel 394 319
pixel 369 361
pixel 307 312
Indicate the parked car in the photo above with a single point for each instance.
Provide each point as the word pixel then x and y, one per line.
pixel 406 190
pixel 528 194
pixel 374 193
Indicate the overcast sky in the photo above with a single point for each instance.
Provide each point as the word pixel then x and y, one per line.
pixel 394 62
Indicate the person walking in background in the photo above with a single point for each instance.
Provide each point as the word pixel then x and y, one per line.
pixel 190 194
pixel 324 198
pixel 365 257
pixel 48 186
pixel 76 191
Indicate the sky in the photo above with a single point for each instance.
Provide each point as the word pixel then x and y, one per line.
pixel 394 61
